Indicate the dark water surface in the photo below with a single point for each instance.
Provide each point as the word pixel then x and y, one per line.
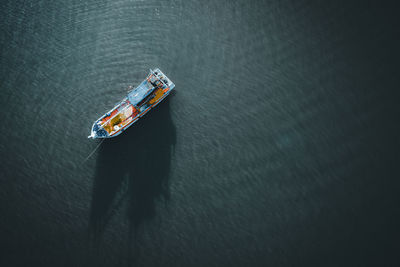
pixel 280 146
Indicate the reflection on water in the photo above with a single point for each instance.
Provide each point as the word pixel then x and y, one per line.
pixel 133 167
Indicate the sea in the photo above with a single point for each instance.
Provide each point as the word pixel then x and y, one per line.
pixel 278 147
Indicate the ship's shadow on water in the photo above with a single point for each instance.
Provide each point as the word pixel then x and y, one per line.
pixel 132 170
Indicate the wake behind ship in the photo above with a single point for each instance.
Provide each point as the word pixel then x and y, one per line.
pixel 138 102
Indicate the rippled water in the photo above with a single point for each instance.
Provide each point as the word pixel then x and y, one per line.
pixel 279 146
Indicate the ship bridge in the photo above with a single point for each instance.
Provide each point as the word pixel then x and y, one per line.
pixel 140 92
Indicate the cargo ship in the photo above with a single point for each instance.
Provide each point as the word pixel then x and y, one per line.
pixel 156 87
